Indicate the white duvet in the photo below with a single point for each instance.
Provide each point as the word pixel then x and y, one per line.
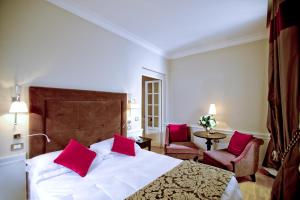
pixel 111 177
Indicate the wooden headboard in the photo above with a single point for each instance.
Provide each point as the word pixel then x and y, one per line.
pixel 62 114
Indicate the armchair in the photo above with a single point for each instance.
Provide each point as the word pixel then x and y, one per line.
pixel 184 149
pixel 246 164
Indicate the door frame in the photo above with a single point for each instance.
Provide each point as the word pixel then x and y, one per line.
pixel 146 106
pixel 161 76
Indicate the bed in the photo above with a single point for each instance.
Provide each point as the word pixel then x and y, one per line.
pixel 92 118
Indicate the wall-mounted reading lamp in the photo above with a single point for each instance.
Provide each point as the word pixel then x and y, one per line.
pixel 18 136
pixel 41 134
pixel 20 145
pixel 131 105
pixel 17 106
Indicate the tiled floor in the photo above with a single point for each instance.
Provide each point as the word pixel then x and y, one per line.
pixel 259 190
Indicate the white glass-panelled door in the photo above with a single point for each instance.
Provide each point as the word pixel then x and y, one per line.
pixel 153 107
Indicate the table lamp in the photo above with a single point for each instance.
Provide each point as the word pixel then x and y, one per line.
pixel 212 109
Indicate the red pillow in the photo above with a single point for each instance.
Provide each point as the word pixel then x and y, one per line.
pixel 178 132
pixel 123 145
pixel 238 142
pixel 76 157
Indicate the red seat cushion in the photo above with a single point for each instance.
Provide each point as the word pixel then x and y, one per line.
pixel 76 157
pixel 123 145
pixel 238 142
pixel 178 132
pixel 219 158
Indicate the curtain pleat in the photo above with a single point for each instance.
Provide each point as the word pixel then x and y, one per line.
pixel 283 97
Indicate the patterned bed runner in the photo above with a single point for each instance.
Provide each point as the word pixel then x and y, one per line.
pixel 188 180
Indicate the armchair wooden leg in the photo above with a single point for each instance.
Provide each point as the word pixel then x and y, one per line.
pixel 195 158
pixel 253 178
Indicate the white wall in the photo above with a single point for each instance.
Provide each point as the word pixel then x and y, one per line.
pixel 43 45
pixel 233 78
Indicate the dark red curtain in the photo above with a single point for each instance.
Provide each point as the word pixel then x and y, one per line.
pixel 283 97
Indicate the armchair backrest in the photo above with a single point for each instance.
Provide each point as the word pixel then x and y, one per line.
pixel 167 136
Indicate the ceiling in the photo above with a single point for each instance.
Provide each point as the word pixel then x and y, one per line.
pixel 176 28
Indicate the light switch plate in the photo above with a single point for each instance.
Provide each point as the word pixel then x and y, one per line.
pixel 17 136
pixel 17 146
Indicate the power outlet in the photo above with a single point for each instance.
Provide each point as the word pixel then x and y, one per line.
pixel 17 146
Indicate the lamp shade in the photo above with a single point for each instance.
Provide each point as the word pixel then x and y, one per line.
pixel 212 109
pixel 18 107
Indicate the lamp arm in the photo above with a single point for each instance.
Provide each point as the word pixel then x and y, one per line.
pixel 15 122
pixel 42 134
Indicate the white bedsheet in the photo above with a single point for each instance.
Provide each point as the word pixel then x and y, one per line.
pixel 116 177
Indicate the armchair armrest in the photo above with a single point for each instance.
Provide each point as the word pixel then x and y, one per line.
pixel 256 141
pixel 243 155
pixel 167 142
pixel 247 162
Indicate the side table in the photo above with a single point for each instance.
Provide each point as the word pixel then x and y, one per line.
pixel 144 142
pixel 209 137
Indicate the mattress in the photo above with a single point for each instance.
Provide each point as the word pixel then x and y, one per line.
pixel 115 177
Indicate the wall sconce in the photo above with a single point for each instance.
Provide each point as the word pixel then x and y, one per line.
pixel 132 106
pixel 132 103
pixel 17 106
pixel 212 109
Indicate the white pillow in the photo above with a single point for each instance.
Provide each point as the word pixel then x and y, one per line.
pixel 104 147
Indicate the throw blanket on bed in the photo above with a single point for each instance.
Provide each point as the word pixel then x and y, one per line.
pixel 188 180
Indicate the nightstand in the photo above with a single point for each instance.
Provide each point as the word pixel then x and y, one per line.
pixel 13 177
pixel 144 142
